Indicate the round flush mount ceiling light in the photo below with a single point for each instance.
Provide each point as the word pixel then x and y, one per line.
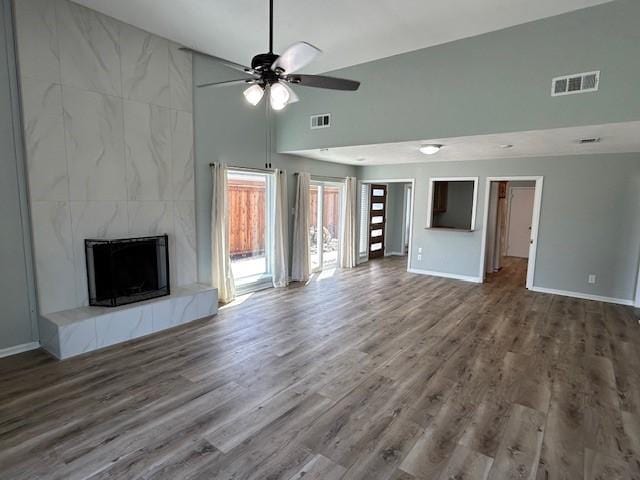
pixel 430 149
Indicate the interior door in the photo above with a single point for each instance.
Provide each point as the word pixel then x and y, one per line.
pixel 520 217
pixel 377 220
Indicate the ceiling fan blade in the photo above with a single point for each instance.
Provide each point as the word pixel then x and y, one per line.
pixel 245 81
pixel 296 57
pixel 320 81
pixel 226 63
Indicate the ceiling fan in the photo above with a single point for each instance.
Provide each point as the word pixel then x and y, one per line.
pixel 274 73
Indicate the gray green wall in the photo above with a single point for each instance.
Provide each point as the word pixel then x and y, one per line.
pixel 228 129
pixel 497 82
pixel 17 296
pixel 589 220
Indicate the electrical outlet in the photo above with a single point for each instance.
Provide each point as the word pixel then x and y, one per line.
pixel 419 257
pixel 592 278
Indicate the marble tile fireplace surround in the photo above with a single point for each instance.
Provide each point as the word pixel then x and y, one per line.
pixel 108 129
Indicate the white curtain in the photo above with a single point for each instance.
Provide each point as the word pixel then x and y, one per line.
pixel 221 274
pixel 348 231
pixel 301 268
pixel 280 231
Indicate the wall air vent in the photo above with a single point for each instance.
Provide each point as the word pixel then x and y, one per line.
pixel 322 120
pixel 576 83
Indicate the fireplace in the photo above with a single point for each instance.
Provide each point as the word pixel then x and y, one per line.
pixel 128 270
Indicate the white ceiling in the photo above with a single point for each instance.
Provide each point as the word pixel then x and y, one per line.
pixel 615 138
pixel 348 31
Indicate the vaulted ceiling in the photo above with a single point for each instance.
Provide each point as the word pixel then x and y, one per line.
pixel 348 31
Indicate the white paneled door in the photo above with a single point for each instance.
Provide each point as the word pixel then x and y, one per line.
pixel 520 217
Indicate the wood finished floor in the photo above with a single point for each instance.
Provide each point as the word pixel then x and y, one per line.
pixel 373 373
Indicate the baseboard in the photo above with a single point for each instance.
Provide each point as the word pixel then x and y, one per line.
pixel 455 276
pixel 583 296
pixel 394 254
pixel 25 347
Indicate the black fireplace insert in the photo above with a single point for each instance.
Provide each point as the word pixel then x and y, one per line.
pixel 127 270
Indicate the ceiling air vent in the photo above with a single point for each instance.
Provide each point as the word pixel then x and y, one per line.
pixel 323 120
pixel 588 141
pixel 576 83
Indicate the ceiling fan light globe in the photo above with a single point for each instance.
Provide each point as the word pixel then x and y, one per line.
pixel 254 94
pixel 279 96
pixel 277 106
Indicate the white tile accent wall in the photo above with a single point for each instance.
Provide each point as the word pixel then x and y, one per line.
pixel 109 135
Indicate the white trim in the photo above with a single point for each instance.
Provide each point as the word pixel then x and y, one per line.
pixel 405 211
pixel 474 207
pixel 535 223
pixel 584 296
pixel 392 180
pixel 412 181
pixel 637 302
pixel 455 276
pixel 637 298
pixel 394 254
pixel 25 347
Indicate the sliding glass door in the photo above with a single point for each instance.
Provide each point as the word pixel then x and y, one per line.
pixel 250 203
pixel 325 223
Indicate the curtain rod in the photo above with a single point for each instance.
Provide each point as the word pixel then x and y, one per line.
pixel 250 169
pixel 323 177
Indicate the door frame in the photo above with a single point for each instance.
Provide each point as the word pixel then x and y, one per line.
pixel 637 300
pixel 509 209
pixel 265 280
pixel 412 181
pixel 321 184
pixel 405 210
pixel 535 223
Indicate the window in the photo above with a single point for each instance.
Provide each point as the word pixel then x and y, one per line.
pixel 325 207
pixel 250 203
pixel 452 203
pixel 364 222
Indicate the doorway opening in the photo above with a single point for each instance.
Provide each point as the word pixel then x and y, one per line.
pixel 386 218
pixel 325 222
pixel 251 207
pixel 512 211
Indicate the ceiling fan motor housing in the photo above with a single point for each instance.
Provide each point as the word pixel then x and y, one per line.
pixel 263 61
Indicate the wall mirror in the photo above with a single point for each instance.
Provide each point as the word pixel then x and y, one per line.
pixel 452 203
